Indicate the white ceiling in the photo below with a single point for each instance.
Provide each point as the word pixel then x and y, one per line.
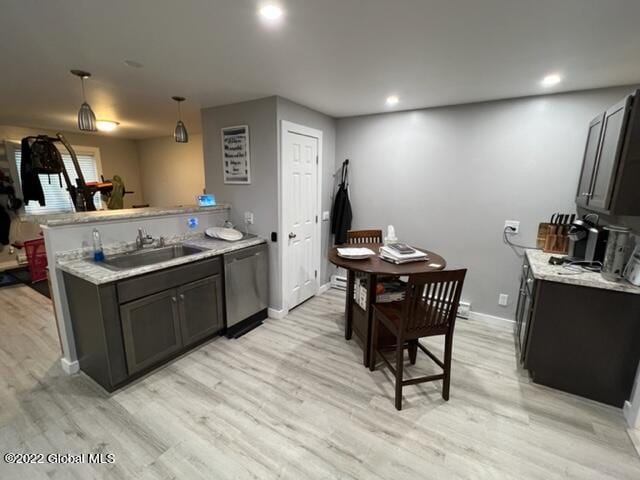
pixel 342 57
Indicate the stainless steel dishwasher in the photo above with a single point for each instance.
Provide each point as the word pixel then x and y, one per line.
pixel 246 286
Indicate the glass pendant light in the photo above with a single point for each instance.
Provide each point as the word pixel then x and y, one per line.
pixel 180 134
pixel 86 117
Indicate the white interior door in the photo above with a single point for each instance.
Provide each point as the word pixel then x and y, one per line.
pixel 300 211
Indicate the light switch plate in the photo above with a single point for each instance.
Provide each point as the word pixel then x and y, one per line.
pixel 248 218
pixel 325 216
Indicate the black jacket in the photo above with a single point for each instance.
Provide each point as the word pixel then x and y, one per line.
pixel 31 186
pixel 341 215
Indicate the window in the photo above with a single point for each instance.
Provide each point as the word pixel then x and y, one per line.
pixel 57 198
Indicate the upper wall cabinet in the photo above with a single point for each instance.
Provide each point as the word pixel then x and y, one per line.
pixel 610 176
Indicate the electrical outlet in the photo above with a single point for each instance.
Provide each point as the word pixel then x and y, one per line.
pixel 503 299
pixel 513 224
pixel 248 218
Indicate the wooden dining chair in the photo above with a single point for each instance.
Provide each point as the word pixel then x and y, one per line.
pixel 364 236
pixel 355 237
pixel 429 308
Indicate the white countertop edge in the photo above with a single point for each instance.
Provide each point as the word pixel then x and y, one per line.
pixel 88 270
pixel 543 270
pixel 100 216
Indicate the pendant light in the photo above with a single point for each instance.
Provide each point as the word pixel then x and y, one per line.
pixel 86 117
pixel 180 134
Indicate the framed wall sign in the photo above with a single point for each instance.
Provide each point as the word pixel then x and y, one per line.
pixel 236 161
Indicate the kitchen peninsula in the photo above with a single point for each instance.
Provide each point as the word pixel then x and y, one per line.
pixel 68 240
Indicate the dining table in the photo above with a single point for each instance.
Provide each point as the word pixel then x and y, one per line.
pixel 359 320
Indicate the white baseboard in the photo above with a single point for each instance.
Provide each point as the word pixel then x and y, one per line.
pixel 324 288
pixel 277 314
pixel 69 367
pixel 486 317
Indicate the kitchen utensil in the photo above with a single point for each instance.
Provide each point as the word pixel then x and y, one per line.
pixel 616 252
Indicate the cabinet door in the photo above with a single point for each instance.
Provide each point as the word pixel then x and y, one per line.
pixel 200 309
pixel 615 120
pixel 589 160
pixel 151 329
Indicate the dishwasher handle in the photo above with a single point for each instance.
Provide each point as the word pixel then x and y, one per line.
pixel 237 259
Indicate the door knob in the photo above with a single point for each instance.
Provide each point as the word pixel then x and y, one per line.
pixel 292 235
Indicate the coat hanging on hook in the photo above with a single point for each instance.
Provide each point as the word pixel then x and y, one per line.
pixel 341 215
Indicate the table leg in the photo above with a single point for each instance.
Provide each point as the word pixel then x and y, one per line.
pixel 348 314
pixel 372 281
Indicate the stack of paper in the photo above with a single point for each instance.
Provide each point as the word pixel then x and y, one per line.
pixel 394 256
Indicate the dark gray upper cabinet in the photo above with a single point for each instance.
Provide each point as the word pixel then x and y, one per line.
pixel 200 309
pixel 615 120
pixel 589 160
pixel 151 329
pixel 609 184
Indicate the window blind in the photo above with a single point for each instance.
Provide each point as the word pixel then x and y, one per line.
pixel 57 198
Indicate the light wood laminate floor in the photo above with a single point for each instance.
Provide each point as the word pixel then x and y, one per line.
pixel 292 400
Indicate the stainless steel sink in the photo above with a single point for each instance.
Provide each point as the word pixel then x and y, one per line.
pixel 141 258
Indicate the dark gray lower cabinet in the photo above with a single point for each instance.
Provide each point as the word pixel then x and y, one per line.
pixel 200 309
pixel 126 328
pixel 151 329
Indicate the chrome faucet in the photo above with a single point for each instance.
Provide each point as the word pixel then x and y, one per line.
pixel 143 238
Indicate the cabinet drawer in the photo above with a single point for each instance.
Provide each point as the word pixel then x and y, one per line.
pixel 155 282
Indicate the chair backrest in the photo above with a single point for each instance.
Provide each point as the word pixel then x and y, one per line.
pixel 431 301
pixel 364 236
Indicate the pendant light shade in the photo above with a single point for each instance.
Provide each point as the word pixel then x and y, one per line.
pixel 180 134
pixel 86 117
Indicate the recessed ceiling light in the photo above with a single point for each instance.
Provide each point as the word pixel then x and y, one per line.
pixel 133 64
pixel 392 99
pixel 271 12
pixel 107 125
pixel 551 80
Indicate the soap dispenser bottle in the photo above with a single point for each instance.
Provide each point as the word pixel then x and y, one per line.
pixel 98 253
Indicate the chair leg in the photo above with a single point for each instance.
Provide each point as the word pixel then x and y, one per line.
pixel 413 351
pixel 448 344
pixel 399 366
pixel 374 343
pixel 348 314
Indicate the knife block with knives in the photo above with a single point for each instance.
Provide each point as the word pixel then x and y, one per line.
pixel 553 235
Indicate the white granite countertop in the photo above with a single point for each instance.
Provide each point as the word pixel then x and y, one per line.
pixel 96 273
pixel 543 270
pixel 74 218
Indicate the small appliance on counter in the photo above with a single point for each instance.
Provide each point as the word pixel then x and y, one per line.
pixel 586 241
pixel 616 252
pixel 632 270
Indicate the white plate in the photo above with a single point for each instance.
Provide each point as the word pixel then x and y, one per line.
pixel 356 257
pixel 228 234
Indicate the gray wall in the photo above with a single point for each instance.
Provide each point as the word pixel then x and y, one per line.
pixel 261 197
pixel 296 113
pixel 448 178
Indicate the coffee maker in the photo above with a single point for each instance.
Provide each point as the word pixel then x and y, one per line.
pixel 587 241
